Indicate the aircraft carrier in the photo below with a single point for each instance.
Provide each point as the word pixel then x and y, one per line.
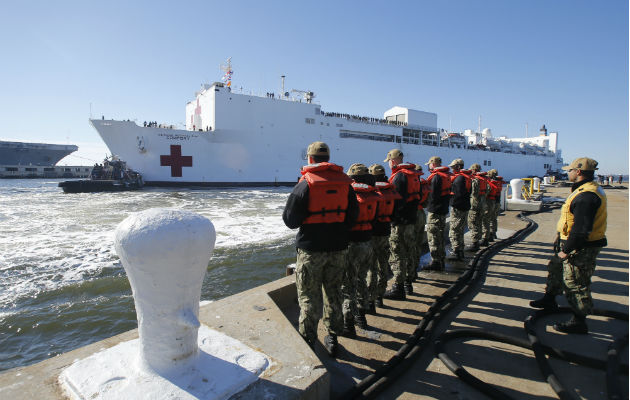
pixel 37 160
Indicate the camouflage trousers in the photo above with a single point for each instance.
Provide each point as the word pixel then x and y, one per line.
pixel 421 223
pixel 475 217
pixel 495 217
pixel 377 275
pixel 573 277
pixel 318 277
pixel 489 219
pixel 457 226
pixel 354 287
pixel 436 225
pixel 401 245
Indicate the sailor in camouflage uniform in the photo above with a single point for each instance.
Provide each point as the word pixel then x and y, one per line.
pixel 324 206
pixel 437 205
pixel 477 208
pixel 581 235
pixel 381 229
pixel 494 204
pixel 402 239
pixel 421 234
pixel 460 204
pixel 356 297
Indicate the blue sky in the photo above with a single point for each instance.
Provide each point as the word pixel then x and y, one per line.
pixel 560 63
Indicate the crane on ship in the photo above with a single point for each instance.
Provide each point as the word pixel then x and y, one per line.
pixel 308 95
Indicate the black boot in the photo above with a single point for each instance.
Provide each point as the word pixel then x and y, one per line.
pixel 577 324
pixel 379 302
pixel 330 343
pixel 547 302
pixel 484 243
pixel 395 293
pixel 460 255
pixel 371 308
pixel 491 238
pixel 348 328
pixel 408 287
pixel 473 247
pixel 360 321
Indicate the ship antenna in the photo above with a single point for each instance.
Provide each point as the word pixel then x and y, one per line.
pixel 282 93
pixel 227 69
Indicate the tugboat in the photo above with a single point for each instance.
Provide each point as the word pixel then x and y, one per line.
pixel 111 176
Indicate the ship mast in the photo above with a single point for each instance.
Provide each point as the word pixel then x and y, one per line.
pixel 227 69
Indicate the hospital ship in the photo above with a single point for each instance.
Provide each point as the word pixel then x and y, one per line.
pixel 241 139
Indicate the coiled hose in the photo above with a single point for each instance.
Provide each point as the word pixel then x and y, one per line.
pixel 419 340
pixel 611 366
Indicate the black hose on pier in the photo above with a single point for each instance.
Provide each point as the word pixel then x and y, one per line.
pixel 419 341
pixel 612 366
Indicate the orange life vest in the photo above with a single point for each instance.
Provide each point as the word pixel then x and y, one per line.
pixel 445 189
pixel 426 190
pixel 467 174
pixel 387 195
pixel 368 200
pixel 483 182
pixel 496 185
pixel 413 180
pixel 328 190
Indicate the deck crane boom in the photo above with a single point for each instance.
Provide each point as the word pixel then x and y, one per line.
pixel 308 95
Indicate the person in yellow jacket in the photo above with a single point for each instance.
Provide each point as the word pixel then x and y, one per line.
pixel 581 235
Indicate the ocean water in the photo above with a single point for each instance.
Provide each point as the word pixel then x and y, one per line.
pixel 62 285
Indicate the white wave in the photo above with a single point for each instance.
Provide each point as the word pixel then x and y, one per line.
pixel 51 239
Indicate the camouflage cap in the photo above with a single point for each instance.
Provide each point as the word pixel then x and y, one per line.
pixel 377 169
pixel 394 153
pixel 492 173
pixel 475 167
pixel 583 164
pixel 434 160
pixel 457 161
pixel 318 149
pixel 357 169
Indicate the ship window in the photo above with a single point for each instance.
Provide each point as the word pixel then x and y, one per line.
pixel 485 162
pixel 489 162
pixel 366 136
pixel 49 169
pixel 339 125
pixel 31 169
pixel 310 120
pixel 11 169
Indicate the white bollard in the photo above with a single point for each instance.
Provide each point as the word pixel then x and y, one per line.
pixel 547 180
pixel 537 184
pixel 517 187
pixel 165 253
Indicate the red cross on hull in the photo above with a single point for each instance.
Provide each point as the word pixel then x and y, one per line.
pixel 176 161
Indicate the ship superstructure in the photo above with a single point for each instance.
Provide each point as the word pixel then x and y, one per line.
pixel 245 139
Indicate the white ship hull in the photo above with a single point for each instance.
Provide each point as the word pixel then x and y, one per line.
pixel 262 141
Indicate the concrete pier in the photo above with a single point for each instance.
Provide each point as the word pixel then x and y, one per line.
pixel 265 319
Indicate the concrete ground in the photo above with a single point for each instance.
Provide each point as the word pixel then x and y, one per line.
pixel 500 304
